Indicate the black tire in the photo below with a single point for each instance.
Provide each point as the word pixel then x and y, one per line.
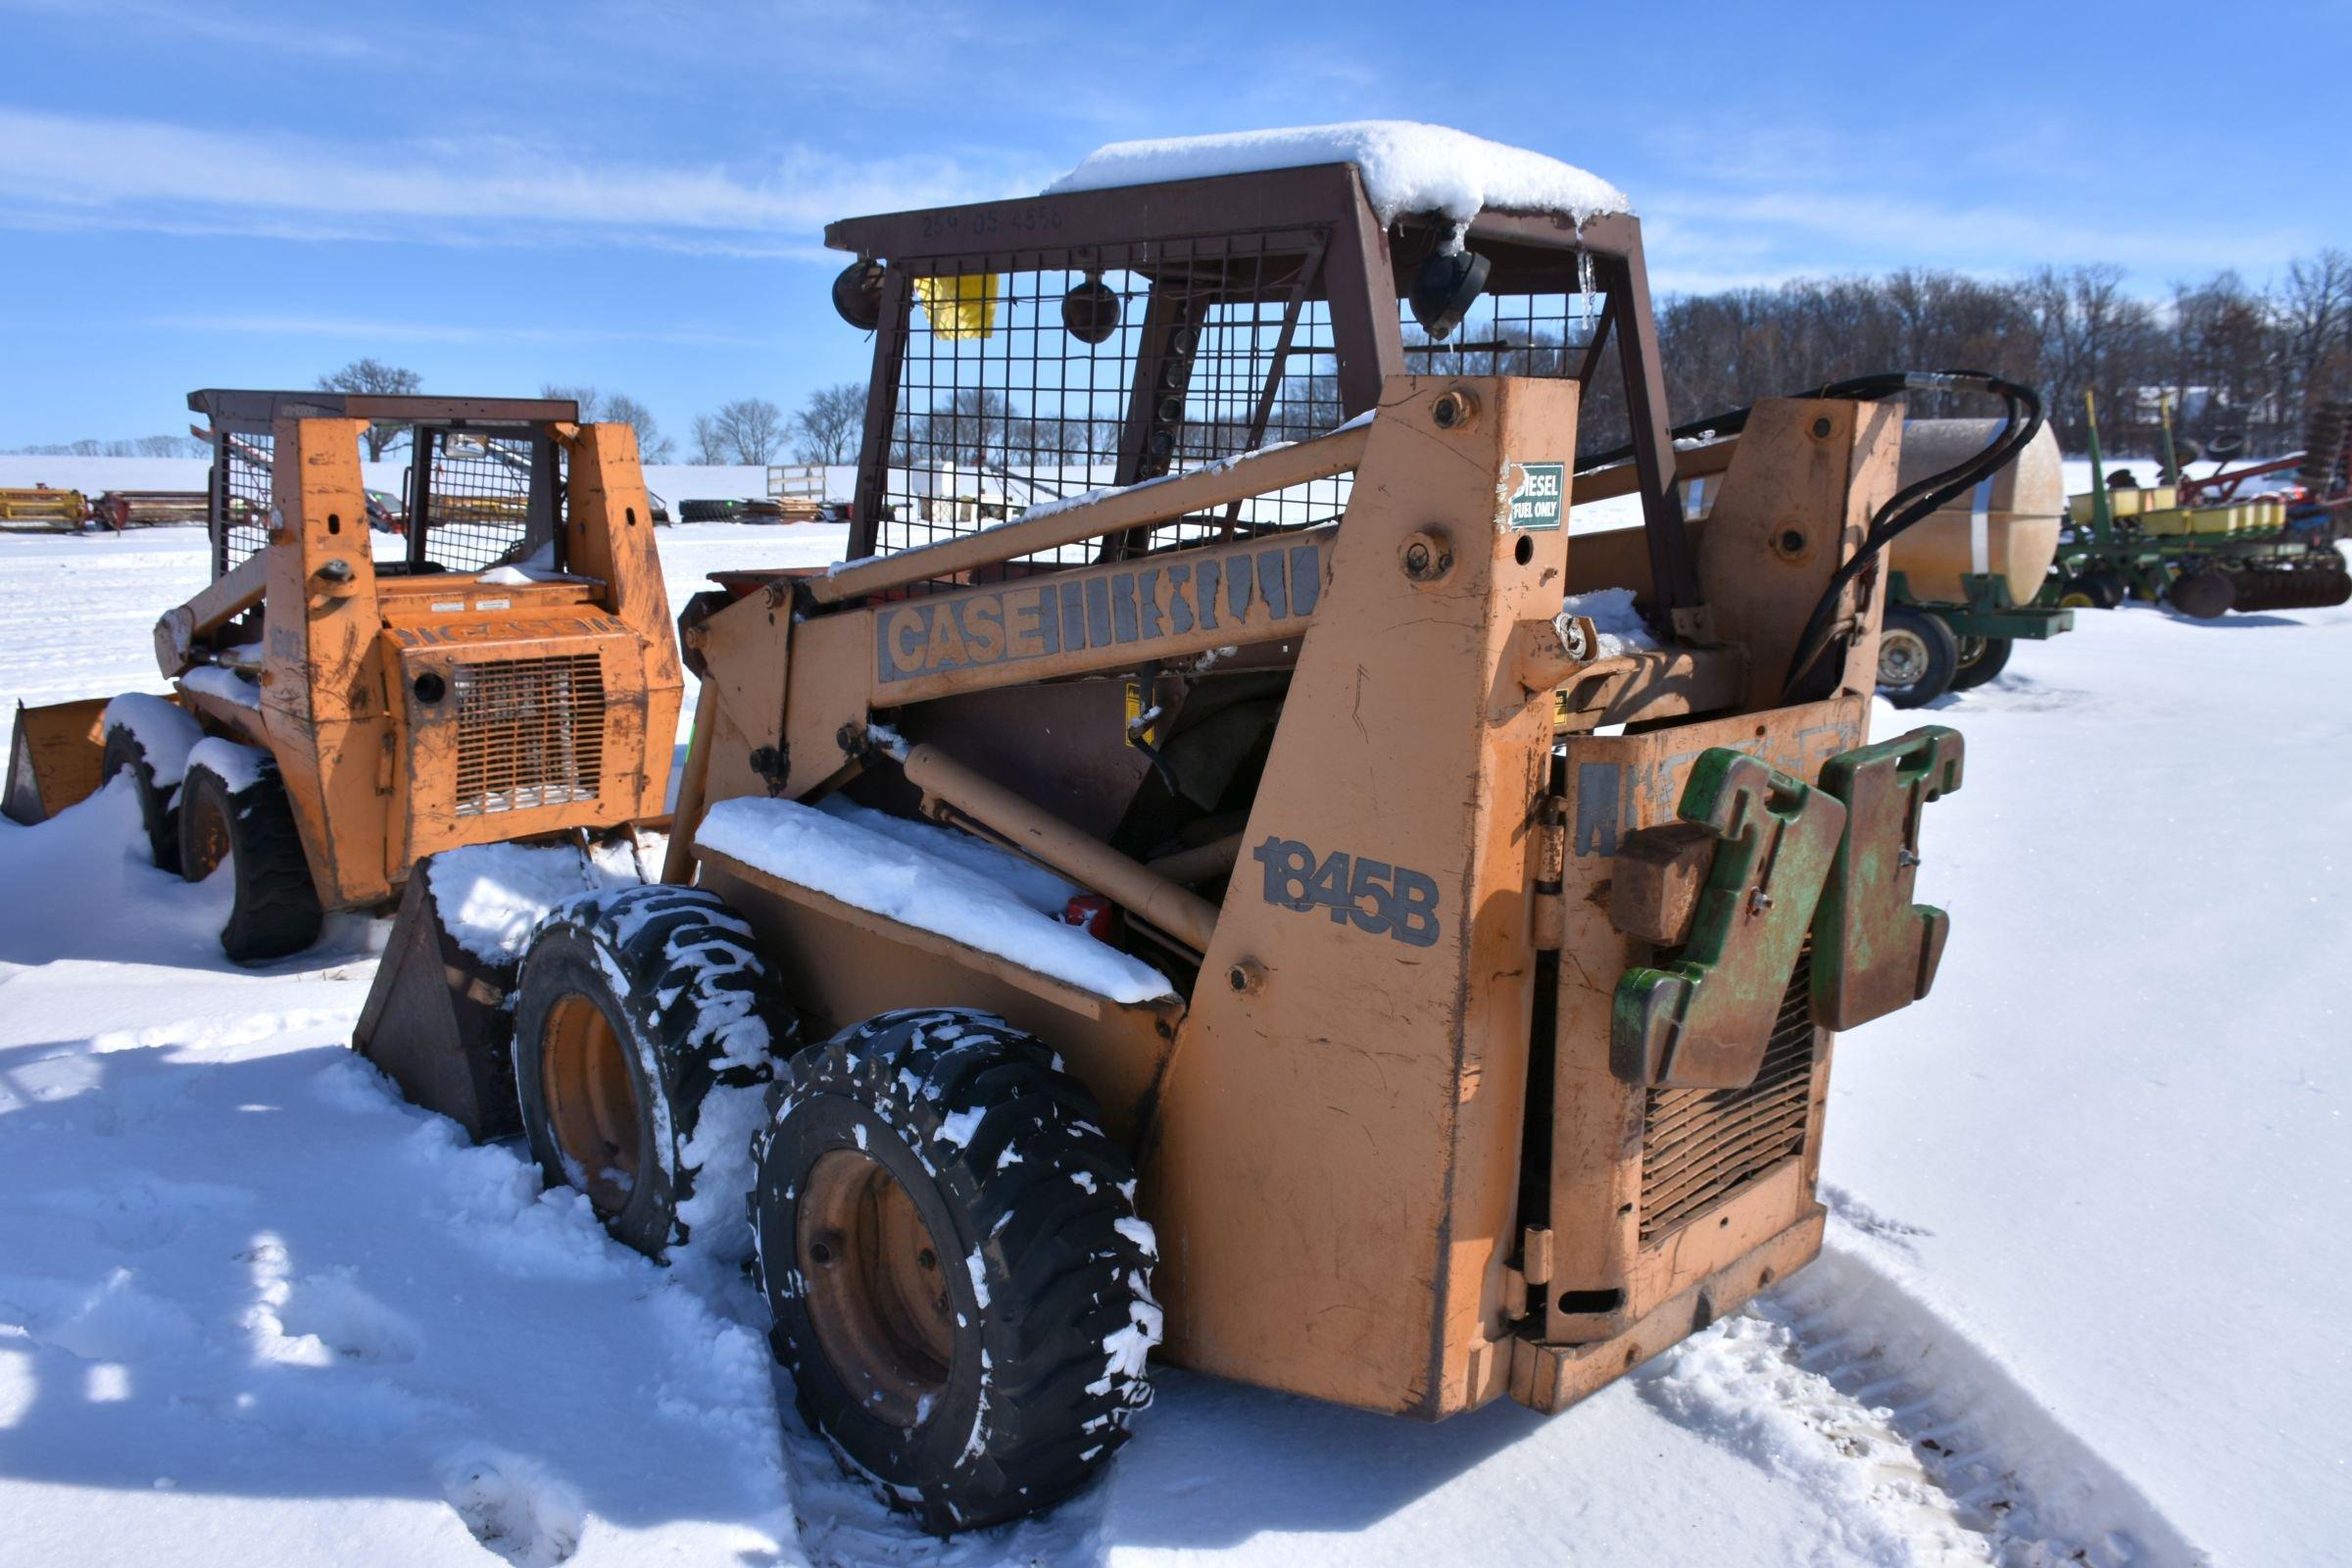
pixel 1918 656
pixel 1016 1383
pixel 252 829
pixel 707 510
pixel 603 1069
pixel 1981 660
pixel 2107 589
pixel 124 754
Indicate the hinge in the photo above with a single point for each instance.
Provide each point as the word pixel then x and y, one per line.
pixel 1552 860
pixel 1534 1254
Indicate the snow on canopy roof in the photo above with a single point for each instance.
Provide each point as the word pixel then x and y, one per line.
pixel 1407 167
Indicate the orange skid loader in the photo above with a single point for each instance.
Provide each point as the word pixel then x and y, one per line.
pixel 346 703
pixel 1279 899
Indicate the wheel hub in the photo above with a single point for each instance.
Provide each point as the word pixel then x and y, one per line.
pixel 1902 658
pixel 206 844
pixel 591 1101
pixel 876 1286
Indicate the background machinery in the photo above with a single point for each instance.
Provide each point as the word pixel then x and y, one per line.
pixel 2204 546
pixel 1964 580
pixel 505 668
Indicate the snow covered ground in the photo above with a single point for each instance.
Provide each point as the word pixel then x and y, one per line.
pixel 2080 1302
pixel 93 476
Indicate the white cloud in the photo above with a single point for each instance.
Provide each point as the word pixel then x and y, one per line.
pixel 87 171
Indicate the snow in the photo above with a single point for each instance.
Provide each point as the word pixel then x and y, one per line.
pixel 673 481
pixel 166 732
pixel 927 877
pixel 214 682
pixel 1407 167
pixel 1618 627
pixel 236 766
pixel 491 897
pixel 2082 1285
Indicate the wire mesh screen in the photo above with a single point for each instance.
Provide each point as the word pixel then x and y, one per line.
pixel 478 499
pixel 530 733
pixel 1509 334
pixel 240 497
pixel 1050 378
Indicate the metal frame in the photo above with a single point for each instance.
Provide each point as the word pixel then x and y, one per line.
pixel 231 412
pixel 1361 282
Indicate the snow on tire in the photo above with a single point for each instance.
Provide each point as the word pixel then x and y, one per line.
pixel 949 1245
pixel 645 1029
pixel 149 738
pixel 233 809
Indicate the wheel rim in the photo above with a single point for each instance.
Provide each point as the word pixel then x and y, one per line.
pixel 877 1293
pixel 590 1103
pixel 1971 649
pixel 206 844
pixel 1902 658
pixel 2076 600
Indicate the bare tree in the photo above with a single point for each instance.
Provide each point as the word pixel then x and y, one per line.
pixel 710 440
pixel 591 401
pixel 745 430
pixel 652 445
pixel 372 375
pixel 2315 320
pixel 827 427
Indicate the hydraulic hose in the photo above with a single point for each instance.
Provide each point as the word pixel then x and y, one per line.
pixel 1916 502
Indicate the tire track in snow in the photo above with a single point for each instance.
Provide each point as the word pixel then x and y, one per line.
pixel 1844 1380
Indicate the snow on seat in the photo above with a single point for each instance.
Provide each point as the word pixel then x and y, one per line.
pixel 1407 167
pixel 932 878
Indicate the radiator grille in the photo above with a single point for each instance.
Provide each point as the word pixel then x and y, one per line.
pixel 530 733
pixel 1700 1145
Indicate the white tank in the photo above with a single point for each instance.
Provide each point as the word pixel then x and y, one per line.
pixel 2006 526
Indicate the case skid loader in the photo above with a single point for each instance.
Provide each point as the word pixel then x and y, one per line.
pixel 347 702
pixel 1261 894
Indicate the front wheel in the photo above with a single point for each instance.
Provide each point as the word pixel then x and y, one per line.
pixel 1918 655
pixel 646 1026
pixel 949 1245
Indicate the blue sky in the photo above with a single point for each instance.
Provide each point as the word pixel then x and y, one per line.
pixel 217 192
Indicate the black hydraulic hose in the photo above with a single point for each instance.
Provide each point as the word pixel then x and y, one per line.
pixel 1730 423
pixel 1916 502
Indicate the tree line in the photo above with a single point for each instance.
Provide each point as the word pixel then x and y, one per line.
pixel 2238 363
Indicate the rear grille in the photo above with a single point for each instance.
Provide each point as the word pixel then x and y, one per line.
pixel 530 733
pixel 1700 1145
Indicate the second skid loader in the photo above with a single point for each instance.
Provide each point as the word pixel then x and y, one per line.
pixel 1276 900
pixel 346 701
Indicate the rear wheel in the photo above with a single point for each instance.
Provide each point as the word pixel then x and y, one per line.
pixel 1918 655
pixel 949 1245
pixel 153 780
pixel 247 825
pixel 645 1027
pixel 1981 660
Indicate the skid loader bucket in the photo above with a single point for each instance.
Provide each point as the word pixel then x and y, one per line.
pixel 54 759
pixel 438 1023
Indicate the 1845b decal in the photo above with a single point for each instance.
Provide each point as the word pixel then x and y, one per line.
pixel 1377 897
